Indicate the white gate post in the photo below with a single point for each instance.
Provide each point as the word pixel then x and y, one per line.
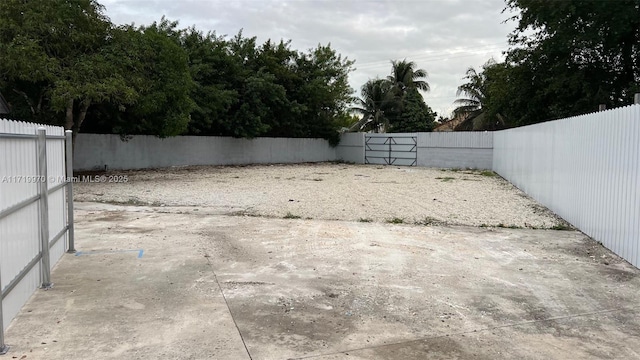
pixel 45 261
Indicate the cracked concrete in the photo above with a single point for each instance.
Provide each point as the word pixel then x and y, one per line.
pixel 211 286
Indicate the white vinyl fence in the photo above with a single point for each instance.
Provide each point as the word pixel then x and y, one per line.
pixel 36 210
pixel 586 169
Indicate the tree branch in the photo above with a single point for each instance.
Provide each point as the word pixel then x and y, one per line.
pixel 26 97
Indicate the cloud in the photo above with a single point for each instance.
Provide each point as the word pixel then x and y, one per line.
pixel 445 37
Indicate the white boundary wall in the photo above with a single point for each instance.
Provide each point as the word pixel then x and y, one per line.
pixel 95 151
pixel 22 228
pixel 586 169
pixel 437 149
pixel 456 150
pixel 351 148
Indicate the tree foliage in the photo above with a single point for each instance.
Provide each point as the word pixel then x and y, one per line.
pixel 416 116
pixel 475 107
pixel 54 60
pixel 564 60
pixel 376 103
pixel 63 61
pixel 395 104
pixel 584 53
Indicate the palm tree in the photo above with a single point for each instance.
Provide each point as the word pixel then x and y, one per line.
pixel 382 100
pixel 473 91
pixel 472 106
pixel 404 76
pixel 377 98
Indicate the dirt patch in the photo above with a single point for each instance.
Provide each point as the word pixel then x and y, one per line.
pixel 590 250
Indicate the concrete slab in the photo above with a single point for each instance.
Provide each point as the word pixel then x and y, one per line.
pixel 109 303
pixel 318 289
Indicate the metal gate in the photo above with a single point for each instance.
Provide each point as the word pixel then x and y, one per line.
pixel 385 149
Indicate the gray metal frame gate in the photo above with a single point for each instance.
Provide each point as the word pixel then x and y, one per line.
pixel 386 149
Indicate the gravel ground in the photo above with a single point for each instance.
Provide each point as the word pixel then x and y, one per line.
pixel 330 191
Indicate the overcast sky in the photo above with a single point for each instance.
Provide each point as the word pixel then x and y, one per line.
pixel 444 37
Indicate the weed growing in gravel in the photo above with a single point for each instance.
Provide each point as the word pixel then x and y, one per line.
pixel 395 220
pixel 501 225
pixel 133 201
pixel 340 162
pixel 365 220
pixel 430 221
pixel 244 213
pixel 130 201
pixel 291 216
pixel 561 227
pixel 487 173
pixel 445 179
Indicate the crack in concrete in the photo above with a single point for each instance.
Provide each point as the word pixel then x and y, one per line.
pixel 228 308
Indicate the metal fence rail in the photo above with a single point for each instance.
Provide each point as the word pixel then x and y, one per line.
pixel 586 169
pixel 36 210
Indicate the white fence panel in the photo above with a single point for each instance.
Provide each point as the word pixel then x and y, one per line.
pixel 22 209
pixel 468 139
pixel 351 148
pixel 583 168
pixel 100 151
pixel 441 150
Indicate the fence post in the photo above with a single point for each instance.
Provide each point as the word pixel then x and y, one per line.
pixel 45 261
pixel 3 347
pixel 636 99
pixel 69 160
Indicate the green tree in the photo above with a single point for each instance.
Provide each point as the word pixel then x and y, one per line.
pixel 404 76
pixel 158 73
pixel 214 72
pixel 244 89
pixel 325 93
pixel 568 58
pixel 53 63
pixel 395 103
pixel 376 102
pixel 473 107
pixel 416 116
pixel 62 61
pixel 412 114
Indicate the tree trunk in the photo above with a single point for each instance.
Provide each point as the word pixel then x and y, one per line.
pixel 82 114
pixel 68 124
pixel 74 121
